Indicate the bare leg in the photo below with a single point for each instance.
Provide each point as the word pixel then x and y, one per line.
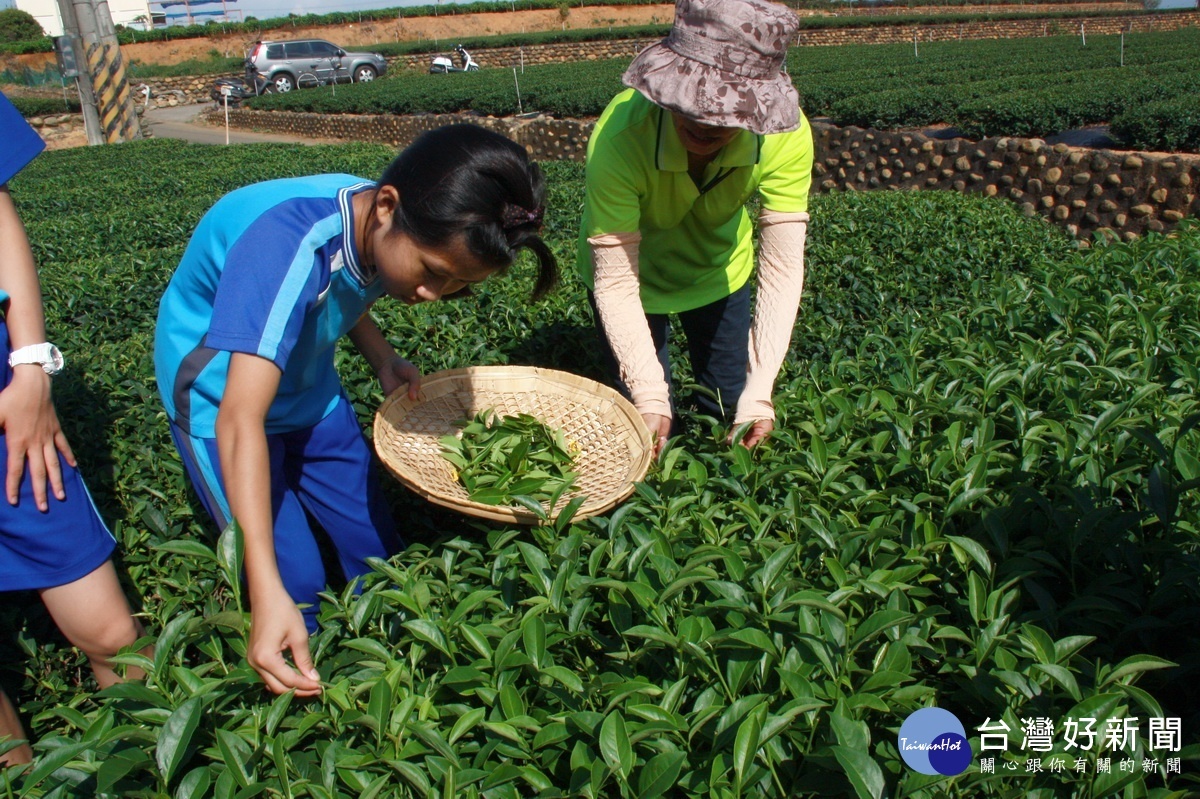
pixel 94 615
pixel 10 725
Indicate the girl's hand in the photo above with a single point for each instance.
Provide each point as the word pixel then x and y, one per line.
pixel 34 436
pixel 276 625
pixel 660 429
pixel 755 433
pixel 395 372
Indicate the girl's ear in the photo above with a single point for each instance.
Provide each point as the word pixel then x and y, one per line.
pixel 387 198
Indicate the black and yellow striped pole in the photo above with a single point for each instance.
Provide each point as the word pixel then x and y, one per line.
pixel 109 113
pixel 114 105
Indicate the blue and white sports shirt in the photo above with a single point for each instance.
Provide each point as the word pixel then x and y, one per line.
pixel 21 142
pixel 272 270
pixel 21 145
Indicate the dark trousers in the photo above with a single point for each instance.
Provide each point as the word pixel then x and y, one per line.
pixel 718 337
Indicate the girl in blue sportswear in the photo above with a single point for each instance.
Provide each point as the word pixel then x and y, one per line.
pixel 273 276
pixel 52 538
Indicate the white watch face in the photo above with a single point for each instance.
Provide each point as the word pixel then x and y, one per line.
pixel 56 361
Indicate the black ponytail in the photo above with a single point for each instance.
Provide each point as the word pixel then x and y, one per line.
pixel 466 180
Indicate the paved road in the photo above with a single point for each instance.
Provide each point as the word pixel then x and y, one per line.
pixel 183 122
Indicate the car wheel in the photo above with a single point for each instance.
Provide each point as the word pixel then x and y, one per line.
pixel 364 74
pixel 283 82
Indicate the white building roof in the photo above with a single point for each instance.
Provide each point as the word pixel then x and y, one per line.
pixel 124 12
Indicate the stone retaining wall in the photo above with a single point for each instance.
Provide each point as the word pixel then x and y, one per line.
pixel 1085 191
pixel 174 91
pixel 56 126
pixel 1122 193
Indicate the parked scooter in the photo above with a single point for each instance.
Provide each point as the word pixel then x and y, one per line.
pixel 234 90
pixel 443 63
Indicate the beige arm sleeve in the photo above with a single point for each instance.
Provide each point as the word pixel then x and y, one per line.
pixel 780 284
pixel 618 298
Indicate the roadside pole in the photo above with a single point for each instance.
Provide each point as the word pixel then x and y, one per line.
pixel 70 50
pixel 225 92
pixel 109 113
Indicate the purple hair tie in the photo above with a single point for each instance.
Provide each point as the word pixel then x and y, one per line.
pixel 516 216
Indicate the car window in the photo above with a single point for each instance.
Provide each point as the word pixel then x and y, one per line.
pixel 299 49
pixel 275 52
pixel 324 50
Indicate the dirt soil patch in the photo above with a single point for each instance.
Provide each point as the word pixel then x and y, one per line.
pixel 447 27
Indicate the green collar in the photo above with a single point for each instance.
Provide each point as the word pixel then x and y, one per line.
pixel 743 150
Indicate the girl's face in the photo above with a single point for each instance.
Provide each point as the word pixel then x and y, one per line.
pixel 413 272
pixel 699 138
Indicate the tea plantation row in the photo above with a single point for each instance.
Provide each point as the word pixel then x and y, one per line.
pixel 45 106
pixel 1022 87
pixel 981 496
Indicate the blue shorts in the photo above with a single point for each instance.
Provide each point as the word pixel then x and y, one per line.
pixel 325 471
pixel 44 550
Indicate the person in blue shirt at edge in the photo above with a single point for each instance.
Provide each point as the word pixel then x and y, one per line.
pixel 57 546
pixel 273 276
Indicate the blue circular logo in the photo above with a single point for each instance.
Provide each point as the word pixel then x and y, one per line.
pixel 933 741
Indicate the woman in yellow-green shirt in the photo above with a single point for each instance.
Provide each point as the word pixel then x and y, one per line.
pixel 710 120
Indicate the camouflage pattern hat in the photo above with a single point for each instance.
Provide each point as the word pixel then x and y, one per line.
pixel 722 64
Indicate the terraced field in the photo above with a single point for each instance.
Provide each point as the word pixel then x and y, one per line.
pixel 1145 87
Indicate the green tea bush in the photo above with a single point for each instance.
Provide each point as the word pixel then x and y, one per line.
pixel 1172 125
pixel 981 496
pixel 44 106
pixel 569 90
pixel 1011 87
pixel 1054 104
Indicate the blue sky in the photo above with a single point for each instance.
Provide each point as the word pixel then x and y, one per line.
pixel 281 8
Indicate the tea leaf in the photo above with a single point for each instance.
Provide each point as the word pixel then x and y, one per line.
pixel 176 737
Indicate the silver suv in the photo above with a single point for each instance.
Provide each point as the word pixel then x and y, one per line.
pixel 313 62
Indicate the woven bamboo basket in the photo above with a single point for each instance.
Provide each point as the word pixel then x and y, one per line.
pixel 615 445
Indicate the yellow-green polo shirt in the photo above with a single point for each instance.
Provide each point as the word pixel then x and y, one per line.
pixel 697 247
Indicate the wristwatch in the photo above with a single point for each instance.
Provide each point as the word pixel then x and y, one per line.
pixel 45 355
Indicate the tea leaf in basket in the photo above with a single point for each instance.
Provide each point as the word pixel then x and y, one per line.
pixel 506 460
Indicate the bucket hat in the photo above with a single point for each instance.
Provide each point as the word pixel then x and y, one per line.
pixel 722 64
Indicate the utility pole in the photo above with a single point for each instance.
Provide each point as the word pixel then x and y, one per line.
pixel 70 49
pixel 109 114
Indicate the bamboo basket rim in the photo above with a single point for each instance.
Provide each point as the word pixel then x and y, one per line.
pixel 615 444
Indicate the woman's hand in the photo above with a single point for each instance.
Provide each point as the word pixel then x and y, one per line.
pixel 34 436
pixel 276 626
pixel 755 433
pixel 660 428
pixel 395 372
